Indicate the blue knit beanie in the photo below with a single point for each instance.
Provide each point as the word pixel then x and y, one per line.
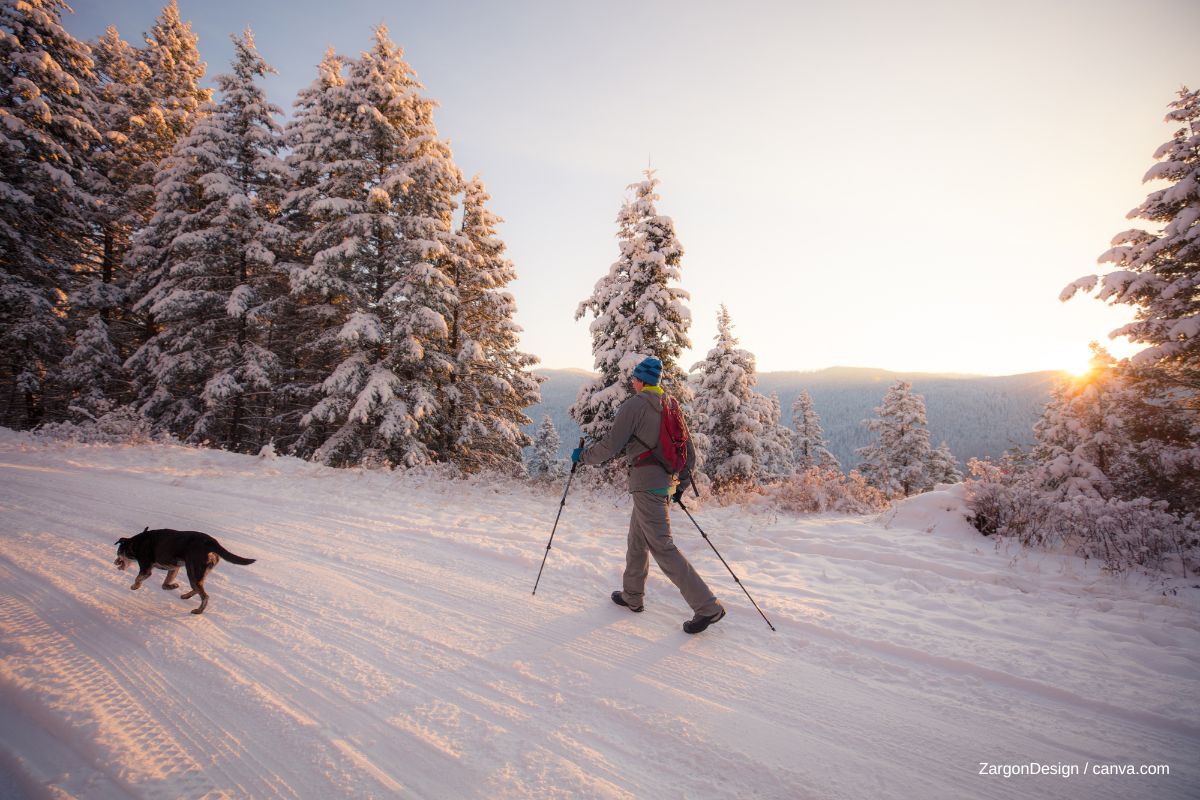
pixel 649 371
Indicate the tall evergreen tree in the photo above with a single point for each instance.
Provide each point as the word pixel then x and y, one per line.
pixel 543 459
pixel 729 416
pixel 808 443
pixel 637 312
pixel 374 202
pixel 211 367
pixel 48 126
pixel 325 239
pixel 149 99
pixel 146 100
pixel 897 462
pixel 1158 273
pixel 776 438
pixel 169 106
pixel 491 383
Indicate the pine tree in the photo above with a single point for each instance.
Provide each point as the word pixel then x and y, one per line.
pixel 147 99
pixel 325 235
pixel 211 367
pixel 728 415
pixel 124 161
pixel 943 466
pixel 1080 437
pixel 637 313
pixel 374 202
pixel 897 462
pixel 777 439
pixel 491 382
pixel 91 371
pixel 49 125
pixel 808 444
pixel 176 97
pixel 544 462
pixel 1159 273
pixel 172 105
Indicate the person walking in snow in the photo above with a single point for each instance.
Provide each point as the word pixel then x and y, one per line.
pixel 635 431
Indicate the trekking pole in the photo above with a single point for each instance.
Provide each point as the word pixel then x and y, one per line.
pixel 561 503
pixel 726 563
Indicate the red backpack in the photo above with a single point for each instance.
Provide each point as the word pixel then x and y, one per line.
pixel 671 451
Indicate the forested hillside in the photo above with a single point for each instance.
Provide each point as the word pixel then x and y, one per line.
pixel 976 415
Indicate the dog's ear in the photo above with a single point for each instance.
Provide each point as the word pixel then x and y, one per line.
pixel 121 541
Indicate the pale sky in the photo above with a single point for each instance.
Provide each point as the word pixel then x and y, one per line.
pixel 904 185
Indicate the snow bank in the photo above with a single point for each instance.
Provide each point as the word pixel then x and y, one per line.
pixel 943 511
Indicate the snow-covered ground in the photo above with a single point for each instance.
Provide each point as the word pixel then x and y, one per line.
pixel 386 644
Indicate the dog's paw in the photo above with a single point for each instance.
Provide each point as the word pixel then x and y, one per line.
pixel 197 610
pixel 170 586
pixel 135 587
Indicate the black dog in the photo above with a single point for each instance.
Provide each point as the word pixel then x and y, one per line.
pixel 165 549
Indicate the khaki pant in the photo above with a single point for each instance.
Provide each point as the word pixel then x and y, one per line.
pixel 650 534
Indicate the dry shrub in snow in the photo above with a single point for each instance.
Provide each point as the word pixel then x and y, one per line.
pixel 818 489
pixel 122 425
pixel 1134 533
pixel 1124 534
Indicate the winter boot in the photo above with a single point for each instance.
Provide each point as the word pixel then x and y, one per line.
pixel 700 621
pixel 619 600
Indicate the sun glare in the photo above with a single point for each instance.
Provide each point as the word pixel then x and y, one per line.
pixel 1079 370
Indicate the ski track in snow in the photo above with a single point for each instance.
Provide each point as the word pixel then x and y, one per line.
pixel 386 644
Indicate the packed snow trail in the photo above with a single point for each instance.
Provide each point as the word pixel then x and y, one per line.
pixel 386 644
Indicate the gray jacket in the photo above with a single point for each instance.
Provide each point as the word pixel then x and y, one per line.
pixel 635 431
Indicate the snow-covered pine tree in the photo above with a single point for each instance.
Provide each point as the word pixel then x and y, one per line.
pixel 544 462
pixel 374 202
pixel 324 239
pixel 1158 273
pixel 150 99
pixel 90 370
pixel 146 100
pixel 808 442
pixel 897 462
pixel 728 414
pixel 49 125
pixel 173 103
pixel 211 367
pixel 943 466
pixel 176 70
pixel 637 312
pixel 120 159
pixel 491 383
pixel 1080 437
pixel 777 443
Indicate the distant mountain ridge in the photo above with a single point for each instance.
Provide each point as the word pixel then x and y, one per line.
pixel 978 416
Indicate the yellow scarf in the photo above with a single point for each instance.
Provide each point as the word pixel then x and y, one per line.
pixel 654 389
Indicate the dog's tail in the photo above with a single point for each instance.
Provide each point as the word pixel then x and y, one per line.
pixel 231 558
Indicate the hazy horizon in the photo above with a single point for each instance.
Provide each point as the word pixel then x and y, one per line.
pixel 848 367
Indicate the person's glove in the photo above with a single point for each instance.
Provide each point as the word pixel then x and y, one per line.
pixel 678 496
pixel 576 455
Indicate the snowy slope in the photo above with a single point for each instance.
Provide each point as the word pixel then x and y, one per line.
pixel 386 645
